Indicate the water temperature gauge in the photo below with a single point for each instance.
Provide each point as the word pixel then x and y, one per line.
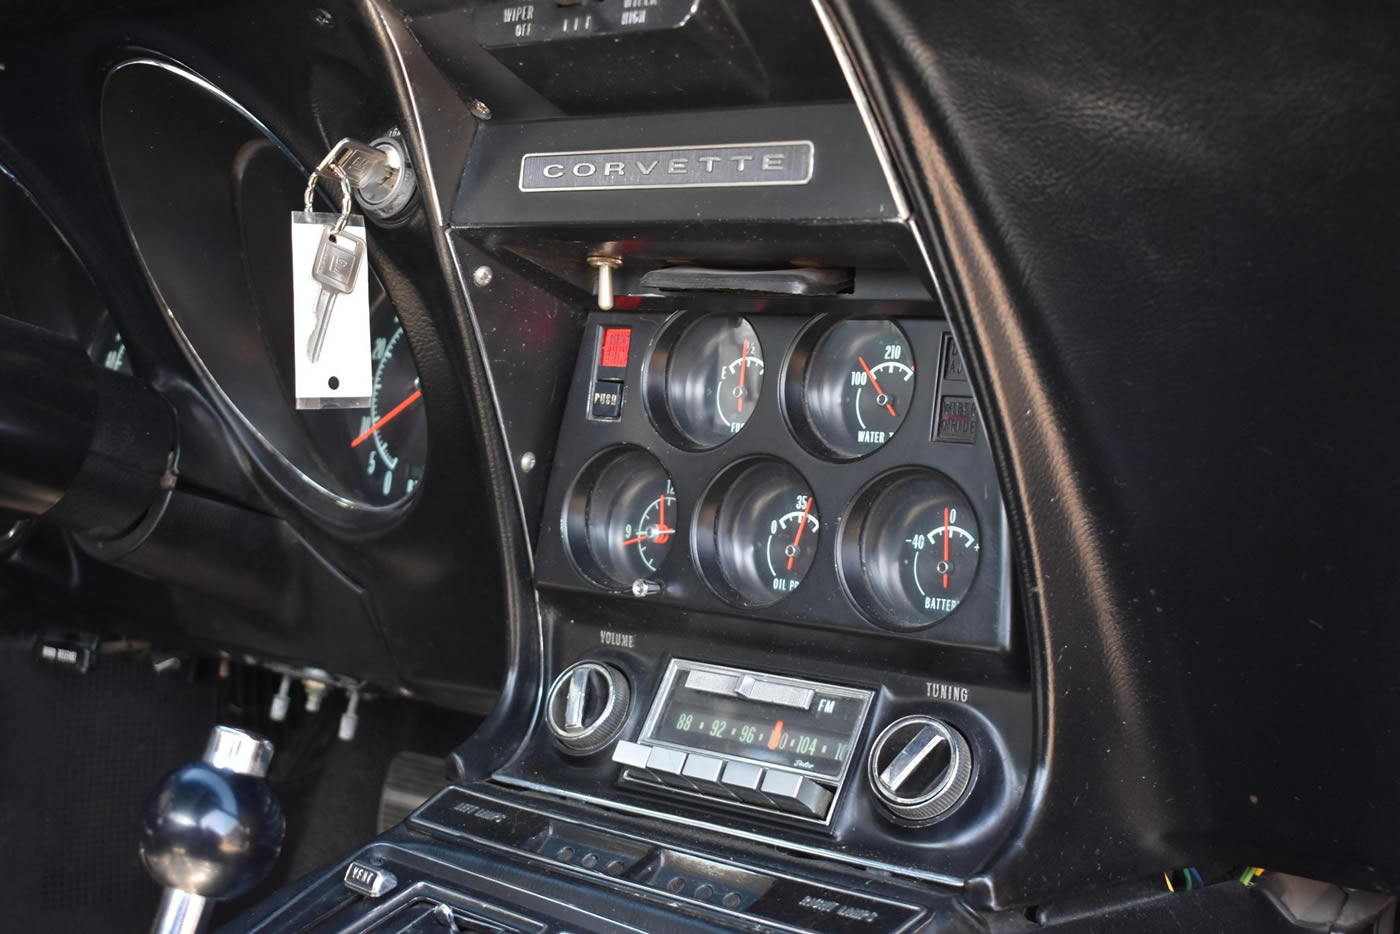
pixel 911 549
pixel 620 520
pixel 853 389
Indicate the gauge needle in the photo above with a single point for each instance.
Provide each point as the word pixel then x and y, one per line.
pixel 946 532
pixel 875 382
pixel 663 531
pixel 386 418
pixel 743 372
pixel 801 524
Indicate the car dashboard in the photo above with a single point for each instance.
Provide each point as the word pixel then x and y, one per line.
pixel 724 449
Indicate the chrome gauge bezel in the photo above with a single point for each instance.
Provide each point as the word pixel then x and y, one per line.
pixel 706 547
pixel 795 393
pixel 575 522
pixel 325 504
pixel 851 560
pixel 657 395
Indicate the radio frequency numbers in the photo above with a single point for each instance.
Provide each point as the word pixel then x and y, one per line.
pixel 777 737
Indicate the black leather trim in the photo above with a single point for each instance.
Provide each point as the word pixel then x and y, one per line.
pixel 1169 231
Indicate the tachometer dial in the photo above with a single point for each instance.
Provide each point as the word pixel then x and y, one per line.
pixel 621 517
pixel 857 387
pixel 763 529
pixel 395 431
pixel 713 378
pixel 911 550
pixel 379 453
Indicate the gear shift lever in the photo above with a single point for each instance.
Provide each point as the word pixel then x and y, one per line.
pixel 212 830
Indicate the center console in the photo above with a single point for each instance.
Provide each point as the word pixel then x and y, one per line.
pixel 778 606
pixel 782 688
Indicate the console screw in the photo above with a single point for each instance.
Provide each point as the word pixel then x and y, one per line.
pixel 527 462
pixel 480 110
pixel 482 276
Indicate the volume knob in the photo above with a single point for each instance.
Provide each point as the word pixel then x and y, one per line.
pixel 919 767
pixel 587 706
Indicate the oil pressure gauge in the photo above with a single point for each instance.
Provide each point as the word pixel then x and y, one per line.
pixel 757 532
pixel 910 549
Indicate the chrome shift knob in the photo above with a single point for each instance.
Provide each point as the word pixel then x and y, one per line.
pixel 212 830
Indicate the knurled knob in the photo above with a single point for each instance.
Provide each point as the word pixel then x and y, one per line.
pixel 587 706
pixel 919 768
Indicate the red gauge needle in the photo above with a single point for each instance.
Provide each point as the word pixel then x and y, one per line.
pixel 776 736
pixel 663 531
pixel 874 382
pixel 386 418
pixel 801 524
pixel 743 372
pixel 946 533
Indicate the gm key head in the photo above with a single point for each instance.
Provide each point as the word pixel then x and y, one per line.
pixel 338 261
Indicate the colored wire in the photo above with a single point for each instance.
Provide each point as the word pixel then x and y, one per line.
pixel 1200 883
pixel 1171 888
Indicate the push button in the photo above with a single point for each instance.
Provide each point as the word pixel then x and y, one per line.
pixel 667 765
pixel 607 399
pixel 796 793
pixel 743 780
pixel 630 754
pixel 705 772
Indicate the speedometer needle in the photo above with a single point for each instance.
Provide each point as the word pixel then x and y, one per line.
pixel 801 524
pixel 386 418
pixel 743 372
pixel 876 383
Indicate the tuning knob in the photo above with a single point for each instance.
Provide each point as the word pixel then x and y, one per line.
pixel 587 706
pixel 919 767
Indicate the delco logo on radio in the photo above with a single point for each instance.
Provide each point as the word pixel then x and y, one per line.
pixel 728 166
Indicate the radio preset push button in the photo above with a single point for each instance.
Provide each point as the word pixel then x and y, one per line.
pixel 796 793
pixel 668 765
pixel 742 779
pixel 705 771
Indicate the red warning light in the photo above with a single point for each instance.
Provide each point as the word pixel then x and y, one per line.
pixel 616 343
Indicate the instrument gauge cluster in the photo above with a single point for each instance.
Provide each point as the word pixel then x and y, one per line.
pixel 823 469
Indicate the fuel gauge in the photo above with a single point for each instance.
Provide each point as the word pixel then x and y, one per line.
pixel 705 383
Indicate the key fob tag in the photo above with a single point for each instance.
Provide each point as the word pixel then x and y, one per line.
pixel 330 312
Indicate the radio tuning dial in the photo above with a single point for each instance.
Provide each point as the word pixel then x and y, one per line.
pixel 919 768
pixel 587 706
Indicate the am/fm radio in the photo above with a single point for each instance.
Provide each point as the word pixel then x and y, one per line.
pixel 748 738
